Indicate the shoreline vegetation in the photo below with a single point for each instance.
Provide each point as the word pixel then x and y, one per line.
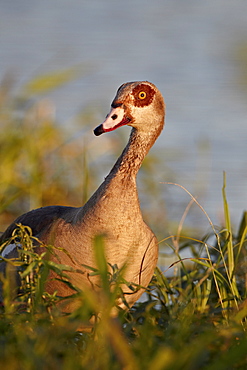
pixel 192 316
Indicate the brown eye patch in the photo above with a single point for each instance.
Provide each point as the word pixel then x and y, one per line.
pixel 143 95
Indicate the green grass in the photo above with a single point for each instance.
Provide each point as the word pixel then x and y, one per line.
pixel 194 319
pixel 193 315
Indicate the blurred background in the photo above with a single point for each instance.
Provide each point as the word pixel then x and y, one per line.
pixel 61 62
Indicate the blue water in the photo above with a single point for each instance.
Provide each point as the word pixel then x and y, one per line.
pixel 189 49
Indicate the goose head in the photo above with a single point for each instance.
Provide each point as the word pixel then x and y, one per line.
pixel 138 104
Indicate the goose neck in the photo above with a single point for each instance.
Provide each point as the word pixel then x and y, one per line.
pixel 134 153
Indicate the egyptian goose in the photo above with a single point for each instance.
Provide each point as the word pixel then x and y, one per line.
pixel 113 210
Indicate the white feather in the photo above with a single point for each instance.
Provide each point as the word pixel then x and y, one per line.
pixel 8 249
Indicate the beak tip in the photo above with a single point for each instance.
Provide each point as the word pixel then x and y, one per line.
pixel 99 130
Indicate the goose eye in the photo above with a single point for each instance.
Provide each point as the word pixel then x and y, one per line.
pixel 142 95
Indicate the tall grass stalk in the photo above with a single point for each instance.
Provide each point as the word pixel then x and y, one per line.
pixel 230 250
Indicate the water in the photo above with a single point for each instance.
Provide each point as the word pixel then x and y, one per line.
pixel 189 49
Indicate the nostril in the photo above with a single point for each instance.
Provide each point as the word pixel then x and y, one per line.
pixel 114 116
